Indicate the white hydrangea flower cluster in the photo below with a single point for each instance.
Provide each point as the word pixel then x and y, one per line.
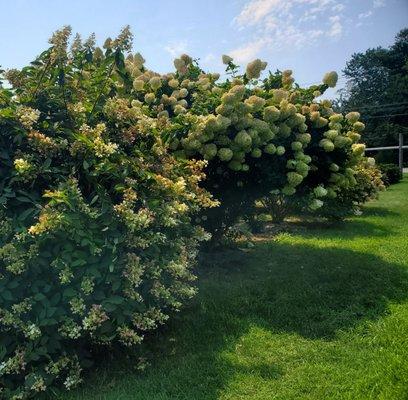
pixel 182 63
pixel 22 166
pixel 254 68
pixel 167 94
pixel 330 79
pixel 93 138
pixel 32 332
pixel 28 116
pixel 226 59
pixel 287 78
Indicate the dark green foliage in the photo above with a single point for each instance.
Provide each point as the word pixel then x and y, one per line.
pixel 378 88
pixel 391 173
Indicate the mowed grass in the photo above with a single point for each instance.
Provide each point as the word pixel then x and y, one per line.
pixel 318 313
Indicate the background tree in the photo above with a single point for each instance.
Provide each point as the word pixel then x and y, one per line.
pixel 377 86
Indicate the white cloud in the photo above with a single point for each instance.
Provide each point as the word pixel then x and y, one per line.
pixel 248 51
pixel 209 58
pixel 318 6
pixel 255 10
pixel 284 36
pixel 378 3
pixel 176 48
pixel 306 18
pixel 364 15
pixel 338 7
pixel 271 23
pixel 211 61
pixel 275 24
pixel 336 28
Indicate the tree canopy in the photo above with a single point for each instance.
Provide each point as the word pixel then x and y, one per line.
pixel 377 86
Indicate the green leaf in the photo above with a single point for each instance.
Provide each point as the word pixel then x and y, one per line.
pixel 7 295
pixel 51 311
pixel 39 297
pixel 24 199
pixel 79 262
pixel 13 284
pixel 25 214
pixel 55 299
pixel 95 198
pixel 47 163
pixel 109 307
pixel 115 300
pixel 116 285
pixel 69 292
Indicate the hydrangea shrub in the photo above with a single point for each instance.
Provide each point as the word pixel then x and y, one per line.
pixel 261 137
pixel 96 241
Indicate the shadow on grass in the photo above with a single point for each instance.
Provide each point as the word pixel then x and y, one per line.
pixel 344 229
pixel 283 288
pixel 379 212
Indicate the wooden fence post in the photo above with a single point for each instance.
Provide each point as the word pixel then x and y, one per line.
pixel 400 153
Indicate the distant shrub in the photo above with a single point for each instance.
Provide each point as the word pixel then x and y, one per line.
pixel 391 173
pixel 369 184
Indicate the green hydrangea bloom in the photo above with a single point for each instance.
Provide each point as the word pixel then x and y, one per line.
pixel 270 148
pixel 271 114
pixel 225 154
pixel 352 117
pixel 296 146
pixel 358 126
pixel 320 191
pixel 331 134
pixel 288 190
pixel 316 204
pixel 256 153
pixel 210 151
pixel 327 145
pixel 235 165
pixel 302 167
pixel 280 150
pixel 334 167
pixel 294 179
pixel 243 139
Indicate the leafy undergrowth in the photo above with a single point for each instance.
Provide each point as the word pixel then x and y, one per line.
pixel 319 313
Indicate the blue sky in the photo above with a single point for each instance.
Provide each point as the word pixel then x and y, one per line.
pixel 308 36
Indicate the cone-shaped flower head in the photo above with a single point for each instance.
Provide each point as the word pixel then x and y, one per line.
pixel 330 79
pixel 254 68
pixel 226 59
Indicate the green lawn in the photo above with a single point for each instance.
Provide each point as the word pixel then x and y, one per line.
pixel 318 313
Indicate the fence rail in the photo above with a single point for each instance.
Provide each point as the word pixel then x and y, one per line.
pixel 400 148
pixel 385 148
